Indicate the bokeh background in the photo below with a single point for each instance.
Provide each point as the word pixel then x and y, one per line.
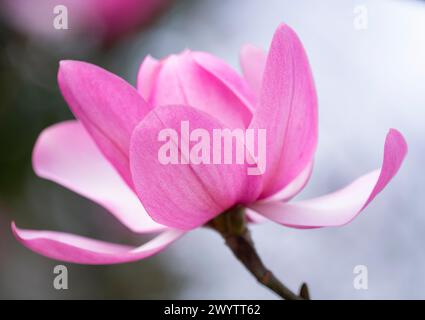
pixel 368 80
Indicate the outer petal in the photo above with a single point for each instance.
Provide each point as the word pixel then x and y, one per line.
pixel 344 205
pixel 294 187
pixel 185 196
pixel 108 107
pixel 254 217
pixel 253 62
pixel 66 154
pixel 76 249
pixel 227 76
pixel 203 82
pixel 287 110
pixel 147 76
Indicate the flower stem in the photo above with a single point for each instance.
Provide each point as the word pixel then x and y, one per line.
pixel 232 227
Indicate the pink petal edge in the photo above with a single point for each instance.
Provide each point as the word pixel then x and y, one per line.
pixel 294 187
pixel 199 80
pixel 287 109
pixel 108 107
pixel 253 61
pixel 66 154
pixel 76 249
pixel 147 76
pixel 340 207
pixel 229 77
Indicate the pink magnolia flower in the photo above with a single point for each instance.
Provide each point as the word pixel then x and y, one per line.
pixel 109 154
pixel 105 19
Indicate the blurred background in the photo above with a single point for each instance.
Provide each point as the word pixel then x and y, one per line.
pixel 370 76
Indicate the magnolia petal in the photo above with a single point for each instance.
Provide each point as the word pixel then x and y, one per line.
pixel 76 249
pixel 294 187
pixel 147 76
pixel 107 106
pixel 185 196
pixel 253 61
pixel 344 205
pixel 227 76
pixel 205 83
pixel 66 154
pixel 287 109
pixel 254 217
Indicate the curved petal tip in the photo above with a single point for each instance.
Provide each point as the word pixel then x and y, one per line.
pixel 340 207
pixel 81 250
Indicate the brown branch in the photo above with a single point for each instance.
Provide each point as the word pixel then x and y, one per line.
pixel 232 227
